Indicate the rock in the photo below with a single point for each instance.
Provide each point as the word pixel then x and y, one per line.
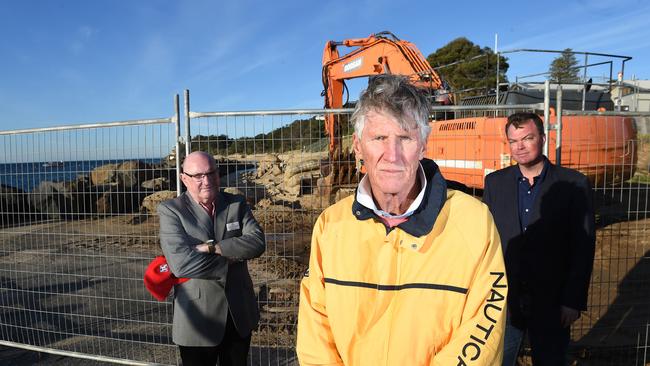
pixel 300 167
pixel 131 173
pixel 275 170
pixel 150 203
pixel 301 183
pixel 128 174
pixel 66 200
pixel 342 193
pixel 293 157
pixel 292 182
pixel 117 200
pixel 264 203
pixel 52 199
pixel 269 158
pixel 248 194
pixel 13 205
pixel 104 174
pixel 233 190
pixel 156 184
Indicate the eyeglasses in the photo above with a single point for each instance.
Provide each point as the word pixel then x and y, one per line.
pixel 198 177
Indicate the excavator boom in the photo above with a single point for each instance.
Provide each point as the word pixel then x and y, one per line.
pixel 380 53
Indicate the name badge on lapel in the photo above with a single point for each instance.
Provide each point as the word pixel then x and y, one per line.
pixel 232 226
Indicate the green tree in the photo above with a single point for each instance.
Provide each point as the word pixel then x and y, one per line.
pixel 300 134
pixel 564 68
pixel 466 65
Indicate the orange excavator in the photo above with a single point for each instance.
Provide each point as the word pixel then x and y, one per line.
pixel 466 149
pixel 380 53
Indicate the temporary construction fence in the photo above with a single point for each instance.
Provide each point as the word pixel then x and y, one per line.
pixel 74 242
pixel 77 210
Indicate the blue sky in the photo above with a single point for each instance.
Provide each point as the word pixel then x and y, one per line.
pixel 69 62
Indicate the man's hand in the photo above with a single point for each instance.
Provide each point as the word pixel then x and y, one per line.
pixel 202 248
pixel 568 316
pixel 205 248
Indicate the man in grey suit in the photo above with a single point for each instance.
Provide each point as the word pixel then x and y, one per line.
pixel 207 236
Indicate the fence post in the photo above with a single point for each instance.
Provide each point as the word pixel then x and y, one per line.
pixel 177 120
pixel 188 148
pixel 558 127
pixel 547 112
pixel 496 51
pixel 584 83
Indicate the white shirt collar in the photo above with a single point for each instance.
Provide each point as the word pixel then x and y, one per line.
pixel 364 197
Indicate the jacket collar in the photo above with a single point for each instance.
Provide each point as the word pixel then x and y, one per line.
pixel 364 196
pixel 542 174
pixel 212 226
pixel 422 220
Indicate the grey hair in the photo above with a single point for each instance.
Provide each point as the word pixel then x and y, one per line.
pixel 396 96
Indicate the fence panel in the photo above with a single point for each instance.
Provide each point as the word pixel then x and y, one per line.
pixel 614 330
pixel 78 224
pixel 274 159
pixel 283 151
pixel 76 233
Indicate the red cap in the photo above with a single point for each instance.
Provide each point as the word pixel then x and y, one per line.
pixel 159 279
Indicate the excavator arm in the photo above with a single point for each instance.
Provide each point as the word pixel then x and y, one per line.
pixel 380 53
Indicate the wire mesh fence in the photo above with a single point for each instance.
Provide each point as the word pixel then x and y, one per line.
pixel 274 160
pixel 79 224
pixel 75 235
pixel 605 148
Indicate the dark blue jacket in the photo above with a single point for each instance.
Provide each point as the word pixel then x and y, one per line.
pixel 550 264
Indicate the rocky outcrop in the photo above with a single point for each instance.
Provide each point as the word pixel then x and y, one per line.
pixel 156 184
pixel 128 174
pixel 135 186
pixel 14 205
pixel 63 200
pixel 117 201
pixel 152 201
pixel 288 176
pixel 107 190
pixel 104 174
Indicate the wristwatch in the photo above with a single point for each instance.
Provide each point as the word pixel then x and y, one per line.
pixel 211 246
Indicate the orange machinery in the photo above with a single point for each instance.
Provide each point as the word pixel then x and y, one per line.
pixel 601 147
pixel 466 149
pixel 377 54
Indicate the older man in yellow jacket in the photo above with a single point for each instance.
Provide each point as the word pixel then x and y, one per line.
pixel 406 271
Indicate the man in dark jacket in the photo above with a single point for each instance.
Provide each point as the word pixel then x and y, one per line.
pixel 544 215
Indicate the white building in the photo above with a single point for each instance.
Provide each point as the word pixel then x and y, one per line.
pixel 634 95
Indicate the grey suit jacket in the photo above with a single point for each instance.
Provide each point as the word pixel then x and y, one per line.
pixel 217 283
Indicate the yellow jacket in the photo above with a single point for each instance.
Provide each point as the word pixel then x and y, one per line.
pixel 428 292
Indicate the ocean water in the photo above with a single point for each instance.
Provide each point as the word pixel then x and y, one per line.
pixel 27 176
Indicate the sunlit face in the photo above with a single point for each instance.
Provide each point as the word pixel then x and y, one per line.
pixel 526 143
pixel 201 177
pixel 391 154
